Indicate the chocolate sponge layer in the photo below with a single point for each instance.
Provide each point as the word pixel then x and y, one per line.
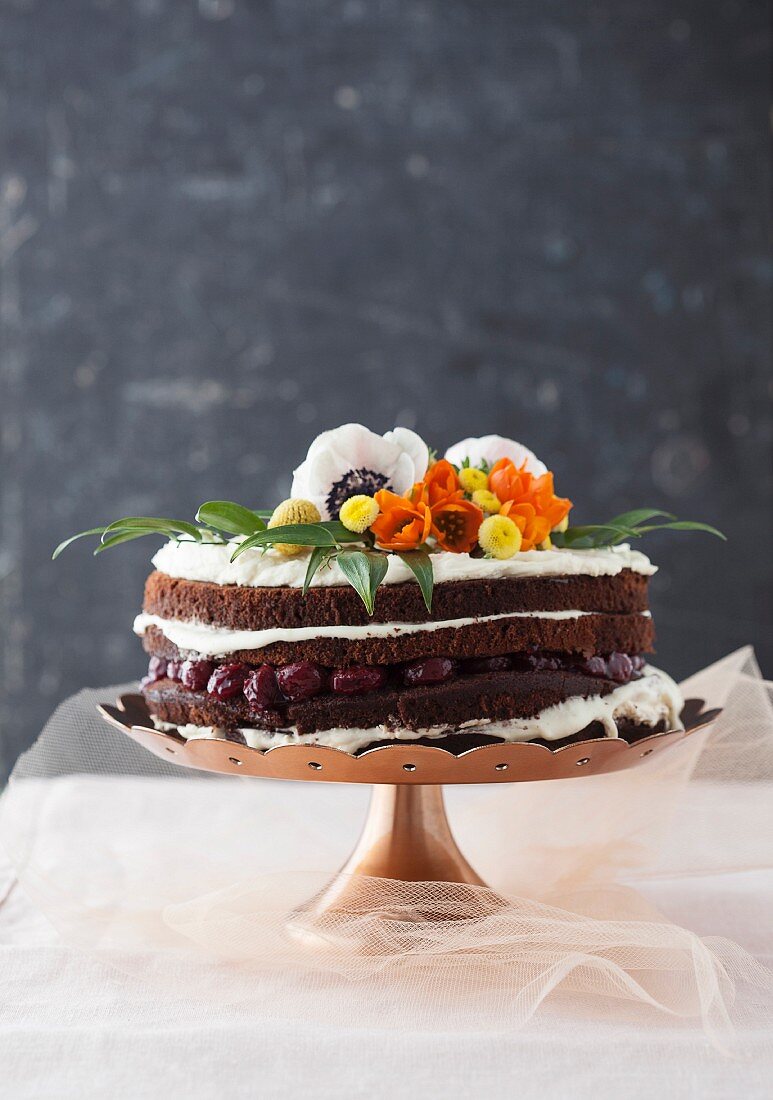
pixel 243 608
pixel 585 635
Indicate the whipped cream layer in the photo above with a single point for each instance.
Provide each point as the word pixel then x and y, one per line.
pixel 210 561
pixel 216 641
pixel 651 699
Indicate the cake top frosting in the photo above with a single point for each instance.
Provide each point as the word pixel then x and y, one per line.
pixel 209 561
pixel 368 509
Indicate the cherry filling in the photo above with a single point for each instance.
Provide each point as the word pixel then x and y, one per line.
pixel 196 674
pixel 357 681
pixel 303 680
pixel 267 687
pixel 227 681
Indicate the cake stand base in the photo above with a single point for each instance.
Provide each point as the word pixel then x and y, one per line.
pixel 406 837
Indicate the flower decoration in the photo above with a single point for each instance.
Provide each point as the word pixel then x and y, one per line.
pixel 484 451
pixel 359 497
pixel 487 501
pixel 500 537
pixel 402 523
pixel 455 520
pixel 357 513
pixel 535 529
pixel 473 480
pixel 441 483
pixel 293 511
pixel 352 461
pixel 516 486
pixel 455 524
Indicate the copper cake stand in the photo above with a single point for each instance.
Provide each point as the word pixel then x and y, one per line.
pixel 406 835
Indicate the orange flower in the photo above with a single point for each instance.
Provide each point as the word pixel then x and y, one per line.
pixel 533 527
pixel 440 483
pixel 455 524
pixel 455 521
pixel 402 524
pixel 517 486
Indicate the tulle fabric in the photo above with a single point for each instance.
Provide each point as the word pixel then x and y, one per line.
pixel 200 884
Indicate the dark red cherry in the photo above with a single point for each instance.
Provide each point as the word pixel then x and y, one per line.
pixel 431 670
pixel 487 664
pixel 595 666
pixel 195 674
pixel 261 688
pixel 303 680
pixel 356 681
pixel 619 667
pixel 227 680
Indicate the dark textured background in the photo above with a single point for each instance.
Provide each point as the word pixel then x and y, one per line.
pixel 228 225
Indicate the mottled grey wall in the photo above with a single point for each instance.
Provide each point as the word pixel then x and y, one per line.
pixel 227 225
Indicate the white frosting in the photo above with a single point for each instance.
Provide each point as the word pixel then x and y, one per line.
pixel 648 701
pixel 210 561
pixel 216 641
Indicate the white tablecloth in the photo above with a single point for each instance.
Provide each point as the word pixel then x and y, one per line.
pixel 72 1026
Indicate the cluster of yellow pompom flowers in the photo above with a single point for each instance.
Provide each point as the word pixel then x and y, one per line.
pixel 498 536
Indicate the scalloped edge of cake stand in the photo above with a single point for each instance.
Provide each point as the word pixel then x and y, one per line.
pixel 403 762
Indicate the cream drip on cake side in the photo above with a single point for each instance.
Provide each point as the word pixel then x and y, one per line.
pixel 651 699
pixel 210 562
pixel 213 641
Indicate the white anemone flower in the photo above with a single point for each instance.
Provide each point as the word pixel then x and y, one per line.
pixel 352 459
pixel 490 448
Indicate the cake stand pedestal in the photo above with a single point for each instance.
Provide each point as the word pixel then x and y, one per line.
pixel 406 836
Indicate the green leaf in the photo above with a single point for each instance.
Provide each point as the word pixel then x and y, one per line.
pixel 420 564
pixel 685 525
pixel 320 556
pixel 339 532
pixel 330 533
pixel 628 525
pixel 151 524
pixel 123 536
pixel 364 570
pixel 224 515
pixel 638 516
pixel 73 538
pixel 594 534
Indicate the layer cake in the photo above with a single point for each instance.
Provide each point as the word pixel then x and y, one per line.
pixel 549 645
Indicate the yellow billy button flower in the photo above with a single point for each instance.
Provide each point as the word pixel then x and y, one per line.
pixel 486 500
pixel 472 480
pixel 294 510
pixel 499 537
pixel 357 513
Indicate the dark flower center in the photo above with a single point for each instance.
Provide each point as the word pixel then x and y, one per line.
pixel 354 483
pixel 452 526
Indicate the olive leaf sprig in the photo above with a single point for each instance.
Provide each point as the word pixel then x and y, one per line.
pixel 136 527
pixel 215 519
pixel 628 525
